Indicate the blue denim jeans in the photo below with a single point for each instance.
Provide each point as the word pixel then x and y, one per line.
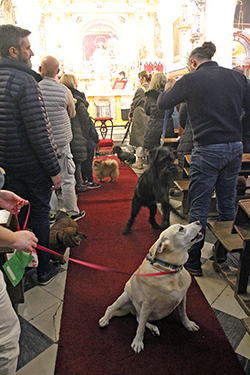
pixel 36 188
pixel 213 167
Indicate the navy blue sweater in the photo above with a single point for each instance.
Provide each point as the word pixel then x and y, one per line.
pixel 215 98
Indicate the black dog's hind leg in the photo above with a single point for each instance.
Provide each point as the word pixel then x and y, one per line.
pixel 135 209
pixel 152 212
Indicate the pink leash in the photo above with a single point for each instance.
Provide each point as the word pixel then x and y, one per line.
pixel 86 264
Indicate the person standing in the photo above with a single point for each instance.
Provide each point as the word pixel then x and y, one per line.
pixel 215 97
pixel 154 128
pixel 139 118
pixel 85 137
pixel 26 241
pixel 28 153
pixel 60 106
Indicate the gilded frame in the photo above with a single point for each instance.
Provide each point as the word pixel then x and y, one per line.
pixel 176 41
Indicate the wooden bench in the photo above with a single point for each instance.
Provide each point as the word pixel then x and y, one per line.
pixel 171 143
pixel 234 236
pixel 183 185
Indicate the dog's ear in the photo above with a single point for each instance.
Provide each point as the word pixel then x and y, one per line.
pixel 81 236
pixel 159 246
pixel 153 154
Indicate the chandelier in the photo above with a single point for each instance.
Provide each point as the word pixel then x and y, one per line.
pixel 184 26
pixel 193 24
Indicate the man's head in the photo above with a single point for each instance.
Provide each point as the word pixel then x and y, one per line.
pixel 49 67
pixel 201 54
pixel 14 44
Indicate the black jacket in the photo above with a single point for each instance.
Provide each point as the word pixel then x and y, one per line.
pixel 79 125
pixel 154 126
pixel 26 140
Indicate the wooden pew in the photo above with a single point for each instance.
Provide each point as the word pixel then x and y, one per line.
pixel 235 236
pixel 183 184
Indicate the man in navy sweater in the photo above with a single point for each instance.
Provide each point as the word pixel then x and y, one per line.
pixel 215 97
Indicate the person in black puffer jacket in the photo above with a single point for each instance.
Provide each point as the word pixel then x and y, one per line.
pixel 28 153
pixel 154 126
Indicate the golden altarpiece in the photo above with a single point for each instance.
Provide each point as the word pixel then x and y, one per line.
pixel 95 40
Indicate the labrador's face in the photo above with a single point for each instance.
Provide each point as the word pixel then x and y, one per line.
pixel 178 238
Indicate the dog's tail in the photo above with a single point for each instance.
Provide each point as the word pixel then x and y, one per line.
pixel 175 211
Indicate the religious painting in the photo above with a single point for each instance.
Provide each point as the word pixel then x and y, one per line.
pixel 101 48
pixel 176 42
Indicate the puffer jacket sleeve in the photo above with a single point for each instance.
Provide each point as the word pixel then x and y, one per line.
pixel 38 127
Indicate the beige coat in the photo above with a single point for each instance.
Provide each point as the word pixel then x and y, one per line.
pixel 139 117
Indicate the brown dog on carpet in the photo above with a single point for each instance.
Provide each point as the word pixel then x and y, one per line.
pixel 64 233
pixel 106 168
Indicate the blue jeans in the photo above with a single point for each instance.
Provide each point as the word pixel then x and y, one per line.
pixel 36 188
pixel 213 167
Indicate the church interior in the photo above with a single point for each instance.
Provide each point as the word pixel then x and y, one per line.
pixel 95 41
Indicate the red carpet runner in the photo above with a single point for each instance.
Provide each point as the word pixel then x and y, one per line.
pixel 87 349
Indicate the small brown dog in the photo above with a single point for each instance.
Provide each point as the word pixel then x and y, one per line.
pixel 106 168
pixel 64 233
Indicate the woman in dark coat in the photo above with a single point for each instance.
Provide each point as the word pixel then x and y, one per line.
pixel 79 125
pixel 154 126
pixel 139 118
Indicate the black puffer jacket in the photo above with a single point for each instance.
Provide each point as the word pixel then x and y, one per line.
pixel 154 126
pixel 79 125
pixel 26 140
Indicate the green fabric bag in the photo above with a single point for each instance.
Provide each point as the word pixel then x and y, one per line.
pixel 15 266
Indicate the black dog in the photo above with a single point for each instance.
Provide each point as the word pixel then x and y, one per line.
pixel 153 187
pixel 124 156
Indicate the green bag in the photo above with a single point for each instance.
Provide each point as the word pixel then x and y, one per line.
pixel 15 266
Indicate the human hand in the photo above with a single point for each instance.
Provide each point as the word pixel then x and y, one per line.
pixel 56 180
pixel 169 84
pixel 11 201
pixel 24 240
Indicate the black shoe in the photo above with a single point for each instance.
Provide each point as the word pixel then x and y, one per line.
pixel 78 216
pixel 93 185
pixel 50 275
pixel 193 271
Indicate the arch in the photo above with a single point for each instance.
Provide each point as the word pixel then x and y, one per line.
pixel 241 51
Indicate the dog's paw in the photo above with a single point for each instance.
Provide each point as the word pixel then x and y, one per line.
pixel 191 326
pixel 155 226
pixel 137 346
pixel 154 330
pixel 126 231
pixel 103 322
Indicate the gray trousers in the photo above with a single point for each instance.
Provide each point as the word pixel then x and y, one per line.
pixel 68 184
pixel 9 333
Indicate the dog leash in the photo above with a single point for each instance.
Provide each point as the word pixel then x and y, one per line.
pixel 81 262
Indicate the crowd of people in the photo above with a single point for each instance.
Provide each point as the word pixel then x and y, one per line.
pixel 48 140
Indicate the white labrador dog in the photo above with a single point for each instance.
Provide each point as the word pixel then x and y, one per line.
pixel 154 297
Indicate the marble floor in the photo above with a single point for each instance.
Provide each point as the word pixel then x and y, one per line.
pixel 40 314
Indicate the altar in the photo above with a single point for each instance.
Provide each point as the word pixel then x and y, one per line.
pixel 109 104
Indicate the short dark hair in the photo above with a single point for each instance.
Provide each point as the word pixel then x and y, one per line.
pixel 11 36
pixel 205 52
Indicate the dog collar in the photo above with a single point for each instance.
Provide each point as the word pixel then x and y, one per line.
pixel 152 260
